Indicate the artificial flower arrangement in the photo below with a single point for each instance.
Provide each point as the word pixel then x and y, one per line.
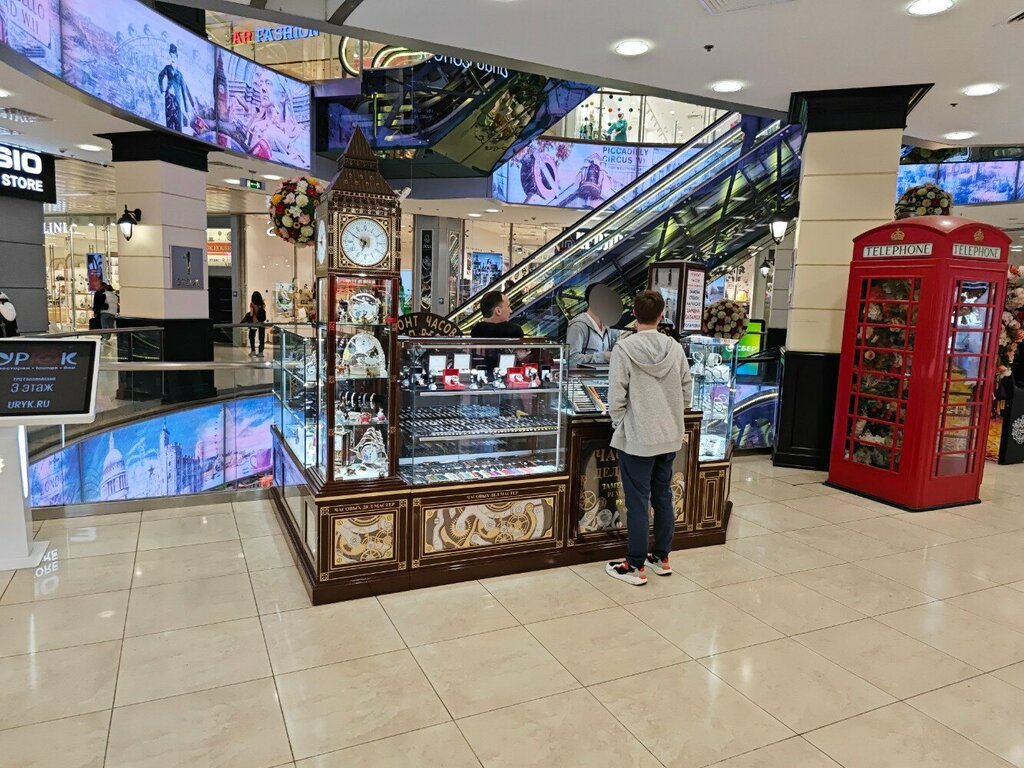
pixel 726 319
pixel 1011 332
pixel 292 209
pixel 928 199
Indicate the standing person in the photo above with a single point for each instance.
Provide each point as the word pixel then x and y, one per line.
pixel 590 341
pixel 257 314
pixel 108 314
pixel 99 303
pixel 8 317
pixel 649 386
pixel 497 311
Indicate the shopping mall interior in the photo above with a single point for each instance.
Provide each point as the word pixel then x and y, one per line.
pixel 350 349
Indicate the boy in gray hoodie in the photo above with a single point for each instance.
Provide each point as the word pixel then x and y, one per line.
pixel 649 389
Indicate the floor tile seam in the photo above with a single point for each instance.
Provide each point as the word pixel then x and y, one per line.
pixel 880 576
pixel 563 568
pixel 998 621
pixel 270 665
pixel 34 723
pixel 444 640
pixel 185 580
pixel 120 650
pixel 197 543
pixel 361 657
pixel 847 526
pixel 391 736
pixel 204 689
pixel 192 626
pixel 724 760
pixel 614 717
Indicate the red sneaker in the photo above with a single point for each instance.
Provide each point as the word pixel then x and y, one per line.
pixel 660 567
pixel 623 571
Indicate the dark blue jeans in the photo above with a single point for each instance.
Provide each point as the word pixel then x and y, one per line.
pixel 647 482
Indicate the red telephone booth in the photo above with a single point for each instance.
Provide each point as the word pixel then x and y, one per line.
pixel 918 363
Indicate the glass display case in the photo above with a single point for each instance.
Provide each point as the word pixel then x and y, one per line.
pixel 297 390
pixel 478 409
pixel 356 349
pixel 713 367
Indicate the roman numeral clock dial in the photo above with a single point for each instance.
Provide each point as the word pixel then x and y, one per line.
pixel 365 242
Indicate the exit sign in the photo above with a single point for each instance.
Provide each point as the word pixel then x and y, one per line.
pixel 252 184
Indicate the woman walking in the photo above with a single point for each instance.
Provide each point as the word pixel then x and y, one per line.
pixel 257 314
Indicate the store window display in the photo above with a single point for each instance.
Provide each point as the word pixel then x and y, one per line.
pixel 81 254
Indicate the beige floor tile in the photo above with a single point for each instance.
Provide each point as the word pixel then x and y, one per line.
pixel 702 623
pixel 74 742
pixel 265 552
pixel 56 684
pixel 795 476
pixel 624 594
pixel 91 541
pixel 238 726
pixel 196 509
pixel 602 645
pixel 778 490
pixel 1006 542
pixel 547 733
pixel 188 660
pixel 919 570
pixel 791 753
pixel 82 521
pixel 777 517
pixel 985 710
pixel 1000 604
pixel 185 531
pixel 899 736
pixel 782 554
pixel 341 705
pixel 795 685
pixel 310 638
pixel 899 665
pixel 199 561
pixel 784 605
pixel 832 510
pixel 981 561
pixel 253 505
pixel 955 526
pixel 189 604
pixel 715 567
pixel 741 498
pixel 256 523
pixel 1014 674
pixel 279 589
pixel 964 635
pixel 842 542
pixel 877 506
pixel 49 624
pixel 898 533
pixel 699 719
pixel 741 529
pixel 483 672
pixel 5 579
pixel 444 613
pixel 71 578
pixel 859 589
pixel 1005 514
pixel 543 595
pixel 438 745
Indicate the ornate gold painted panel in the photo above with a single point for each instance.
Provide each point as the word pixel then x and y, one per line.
pixel 364 539
pixel 369 536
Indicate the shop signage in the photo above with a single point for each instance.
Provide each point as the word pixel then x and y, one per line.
pixel 897 250
pixel 271 35
pixel 693 306
pixel 427 324
pixel 45 379
pixel 467 64
pixel 27 174
pixel 186 268
pixel 977 251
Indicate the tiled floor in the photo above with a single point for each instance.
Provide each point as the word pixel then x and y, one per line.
pixel 828 631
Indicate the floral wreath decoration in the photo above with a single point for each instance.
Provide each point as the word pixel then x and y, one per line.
pixel 726 319
pixel 926 199
pixel 292 209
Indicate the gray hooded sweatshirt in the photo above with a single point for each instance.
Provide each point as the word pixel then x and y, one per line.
pixel 649 388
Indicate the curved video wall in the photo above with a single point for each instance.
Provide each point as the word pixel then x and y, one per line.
pixel 133 58
pixel 222 445
pixel 970 183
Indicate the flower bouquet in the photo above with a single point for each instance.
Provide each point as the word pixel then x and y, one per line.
pixel 926 199
pixel 1011 334
pixel 292 208
pixel 726 319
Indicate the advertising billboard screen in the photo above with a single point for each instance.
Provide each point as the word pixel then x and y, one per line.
pixel 49 381
pixel 33 30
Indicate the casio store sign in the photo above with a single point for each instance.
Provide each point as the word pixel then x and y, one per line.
pixel 27 174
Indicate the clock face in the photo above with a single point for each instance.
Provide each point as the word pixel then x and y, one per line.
pixel 365 242
pixel 321 241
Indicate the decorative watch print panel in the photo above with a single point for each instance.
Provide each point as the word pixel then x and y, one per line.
pixel 486 524
pixel 363 539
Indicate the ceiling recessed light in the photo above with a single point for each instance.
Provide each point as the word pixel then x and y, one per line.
pixel 4 93
pixel 632 47
pixel 982 89
pixel 727 86
pixel 960 135
pixel 271 177
pixel 492 210
pixel 474 215
pixel 929 7
pixel 232 181
pixel 90 147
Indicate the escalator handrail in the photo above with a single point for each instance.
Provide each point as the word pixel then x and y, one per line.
pixel 598 215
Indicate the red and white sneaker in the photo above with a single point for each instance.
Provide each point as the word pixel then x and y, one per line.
pixel 659 566
pixel 623 571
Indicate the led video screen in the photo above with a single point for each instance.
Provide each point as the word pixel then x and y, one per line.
pixel 969 183
pixel 248 440
pixel 56 479
pixel 33 30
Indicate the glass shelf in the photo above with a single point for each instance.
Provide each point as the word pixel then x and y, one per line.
pixel 713 367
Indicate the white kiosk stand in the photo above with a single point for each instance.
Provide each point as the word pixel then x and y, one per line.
pixel 42 382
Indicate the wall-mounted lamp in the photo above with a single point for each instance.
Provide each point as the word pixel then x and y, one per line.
pixel 778 228
pixel 766 264
pixel 128 221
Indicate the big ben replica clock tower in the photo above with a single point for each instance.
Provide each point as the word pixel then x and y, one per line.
pixel 357 244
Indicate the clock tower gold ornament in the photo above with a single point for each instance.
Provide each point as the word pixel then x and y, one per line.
pixel 359 217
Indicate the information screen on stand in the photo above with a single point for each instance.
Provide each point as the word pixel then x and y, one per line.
pixel 51 381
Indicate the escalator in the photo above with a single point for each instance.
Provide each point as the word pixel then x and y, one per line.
pixel 710 208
